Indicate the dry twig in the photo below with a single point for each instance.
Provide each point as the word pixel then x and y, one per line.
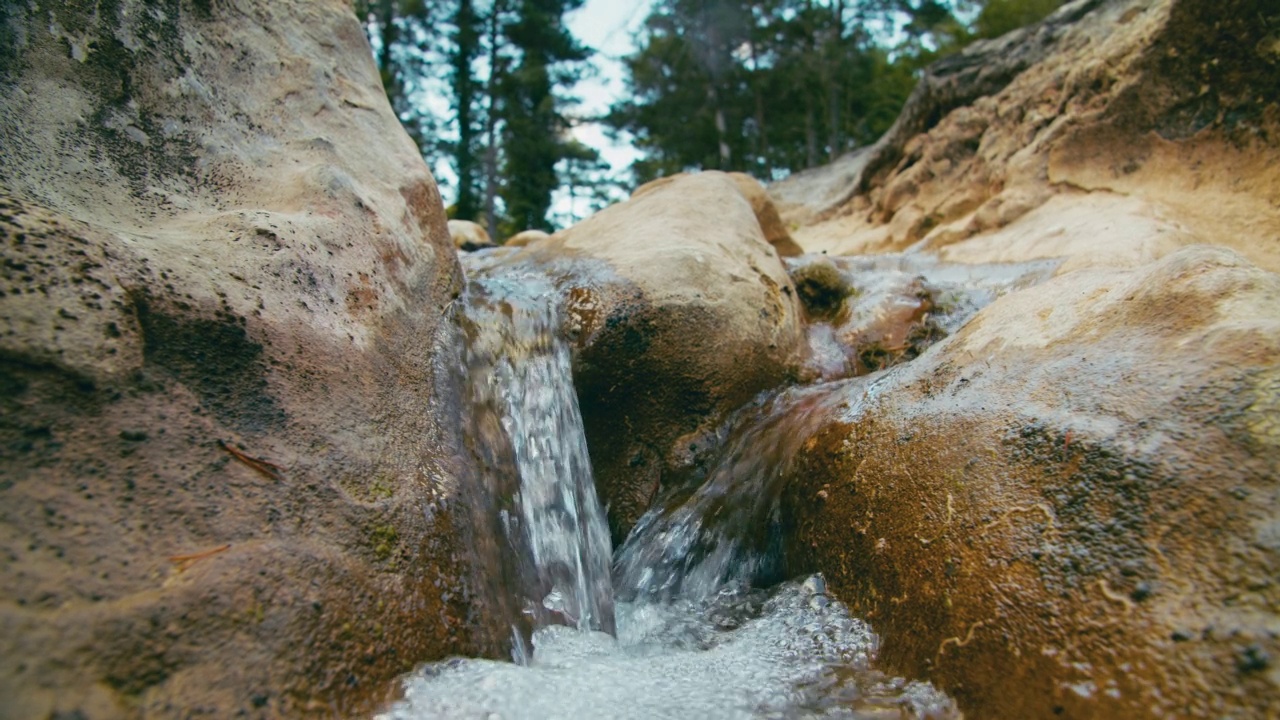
pixel 267 469
pixel 185 561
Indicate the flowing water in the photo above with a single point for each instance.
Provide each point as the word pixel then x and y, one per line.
pixel 520 375
pixel 704 626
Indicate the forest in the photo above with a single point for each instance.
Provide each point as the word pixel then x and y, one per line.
pixel 766 87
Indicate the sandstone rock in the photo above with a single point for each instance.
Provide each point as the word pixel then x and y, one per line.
pixel 871 312
pixel 771 224
pixel 775 232
pixel 808 196
pixel 526 237
pixel 1070 507
pixel 227 399
pixel 1124 100
pixel 680 316
pixel 469 236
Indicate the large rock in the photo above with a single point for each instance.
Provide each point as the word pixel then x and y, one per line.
pixel 681 312
pixel 762 204
pixel 469 236
pixel 226 407
pixel 1125 110
pixel 1069 509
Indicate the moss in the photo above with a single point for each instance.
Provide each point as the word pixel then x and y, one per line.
pixel 383 539
pixel 822 288
pixel 382 488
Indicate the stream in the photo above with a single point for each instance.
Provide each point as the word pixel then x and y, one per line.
pixel 691 617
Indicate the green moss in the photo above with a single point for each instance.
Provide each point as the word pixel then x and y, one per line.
pixel 382 487
pixel 822 288
pixel 384 539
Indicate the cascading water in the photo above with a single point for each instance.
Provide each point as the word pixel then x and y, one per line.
pixel 728 533
pixel 693 637
pixel 520 373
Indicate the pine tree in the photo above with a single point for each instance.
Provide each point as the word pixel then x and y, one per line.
pixel 402 33
pixel 534 127
pixel 467 152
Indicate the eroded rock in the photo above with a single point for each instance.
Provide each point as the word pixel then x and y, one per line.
pixel 227 402
pixel 771 223
pixel 1125 111
pixel 1069 507
pixel 469 236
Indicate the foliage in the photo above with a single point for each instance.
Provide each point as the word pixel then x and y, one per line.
pixel 502 66
pixel 535 128
pixel 766 87
pixel 769 87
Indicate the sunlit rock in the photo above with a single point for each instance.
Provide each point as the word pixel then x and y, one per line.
pixel 1111 134
pixel 525 237
pixel 681 312
pixel 771 224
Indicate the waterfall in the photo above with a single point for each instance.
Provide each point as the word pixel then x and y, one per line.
pixel 696 633
pixel 520 372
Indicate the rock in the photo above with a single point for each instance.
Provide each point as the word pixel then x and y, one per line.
pixel 822 288
pixel 681 312
pixel 771 224
pixel 805 197
pixel 227 399
pixel 1120 108
pixel 871 312
pixel 526 237
pixel 775 232
pixel 469 236
pixel 1069 508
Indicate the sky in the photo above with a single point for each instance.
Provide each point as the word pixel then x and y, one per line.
pixel 609 28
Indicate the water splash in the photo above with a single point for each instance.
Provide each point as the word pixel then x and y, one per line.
pixel 786 653
pixel 728 533
pixel 696 636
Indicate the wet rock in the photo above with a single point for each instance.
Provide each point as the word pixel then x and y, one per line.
pixel 1126 130
pixel 822 288
pixel 1069 507
pixel 227 400
pixel 680 315
pixel 469 236
pixel 870 313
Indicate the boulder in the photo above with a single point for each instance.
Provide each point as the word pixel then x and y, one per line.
pixel 775 232
pixel 1125 112
pixel 680 312
pixel 1069 508
pixel 526 237
pixel 469 236
pixel 228 398
pixel 771 224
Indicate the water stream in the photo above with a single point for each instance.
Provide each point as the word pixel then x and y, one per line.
pixel 704 625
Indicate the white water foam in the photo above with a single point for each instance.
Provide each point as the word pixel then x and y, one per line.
pixel 789 653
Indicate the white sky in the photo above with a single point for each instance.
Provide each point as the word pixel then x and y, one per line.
pixel 608 27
